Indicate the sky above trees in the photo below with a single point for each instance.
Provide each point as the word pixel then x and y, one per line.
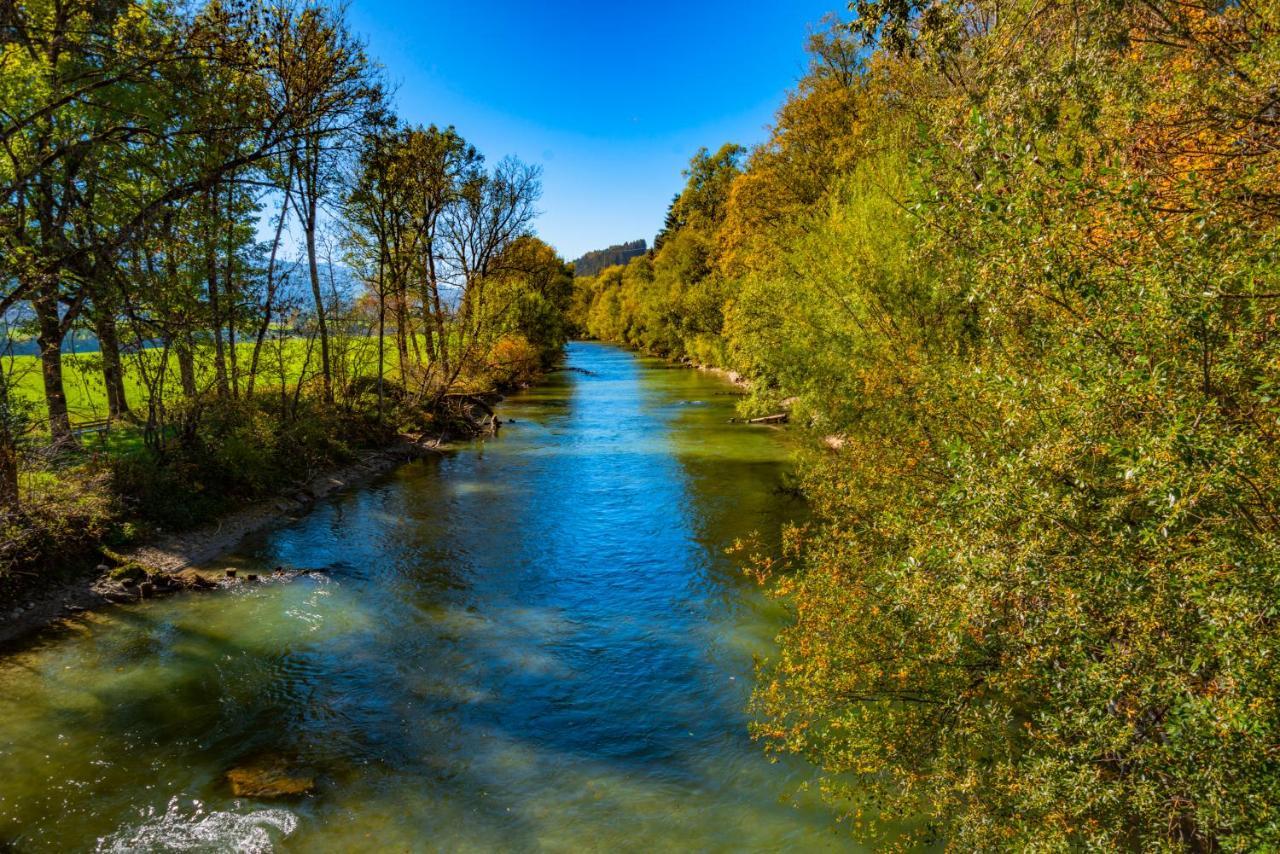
pixel 610 99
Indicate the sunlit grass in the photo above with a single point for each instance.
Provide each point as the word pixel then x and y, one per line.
pixel 281 363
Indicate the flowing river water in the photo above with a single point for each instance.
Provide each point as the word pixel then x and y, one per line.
pixel 532 643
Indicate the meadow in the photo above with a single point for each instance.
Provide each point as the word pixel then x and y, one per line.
pixel 284 361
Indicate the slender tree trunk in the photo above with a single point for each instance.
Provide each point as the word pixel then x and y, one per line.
pixel 50 343
pixel 402 333
pixel 382 325
pixel 186 365
pixel 400 296
pixel 104 325
pixel 321 324
pixel 229 284
pixel 182 342
pixel 8 449
pixel 431 320
pixel 8 470
pixel 436 309
pixel 268 303
pixel 215 309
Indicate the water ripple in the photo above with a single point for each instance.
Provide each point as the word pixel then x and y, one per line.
pixel 194 829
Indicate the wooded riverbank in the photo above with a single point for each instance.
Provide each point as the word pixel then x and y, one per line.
pixel 1009 265
pixel 284 277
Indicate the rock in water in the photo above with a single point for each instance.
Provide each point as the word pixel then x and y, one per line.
pixel 269 777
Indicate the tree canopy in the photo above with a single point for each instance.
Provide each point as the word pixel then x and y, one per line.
pixel 1010 266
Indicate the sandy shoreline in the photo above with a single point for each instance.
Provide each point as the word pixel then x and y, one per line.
pixel 175 552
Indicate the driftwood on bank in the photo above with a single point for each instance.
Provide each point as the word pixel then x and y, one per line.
pixel 779 418
pixel 473 412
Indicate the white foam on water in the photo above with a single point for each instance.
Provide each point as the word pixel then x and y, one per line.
pixel 195 830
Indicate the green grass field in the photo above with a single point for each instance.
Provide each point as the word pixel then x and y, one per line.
pixel 281 361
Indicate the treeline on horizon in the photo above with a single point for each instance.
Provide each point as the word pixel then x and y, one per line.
pixel 143 146
pixel 593 262
pixel 1016 264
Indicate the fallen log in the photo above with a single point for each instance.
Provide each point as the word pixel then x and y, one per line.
pixel 780 418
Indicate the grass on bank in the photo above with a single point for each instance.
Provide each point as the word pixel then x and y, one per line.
pixel 282 362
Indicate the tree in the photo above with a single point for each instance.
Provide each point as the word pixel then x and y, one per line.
pixel 1005 265
pixel 376 205
pixel 491 212
pixel 322 72
pixel 436 165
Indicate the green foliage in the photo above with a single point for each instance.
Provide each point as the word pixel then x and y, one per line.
pixel 1019 300
pixel 239 451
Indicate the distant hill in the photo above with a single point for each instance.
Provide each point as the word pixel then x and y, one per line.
pixel 594 262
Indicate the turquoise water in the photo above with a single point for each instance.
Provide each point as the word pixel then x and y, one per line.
pixel 532 643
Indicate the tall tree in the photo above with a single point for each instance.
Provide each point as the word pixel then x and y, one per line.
pixel 323 72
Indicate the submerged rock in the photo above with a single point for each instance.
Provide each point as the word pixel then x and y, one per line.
pixel 269 777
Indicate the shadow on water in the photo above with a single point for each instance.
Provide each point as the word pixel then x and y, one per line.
pixel 533 643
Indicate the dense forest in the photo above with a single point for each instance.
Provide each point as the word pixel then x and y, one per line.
pixel 1013 267
pixel 276 269
pixel 617 255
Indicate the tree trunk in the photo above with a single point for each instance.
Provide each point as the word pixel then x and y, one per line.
pixel 8 449
pixel 104 325
pixel 50 343
pixel 229 284
pixel 211 265
pixel 186 366
pixel 402 333
pixel 432 306
pixel 8 471
pixel 382 325
pixel 312 262
pixel 269 301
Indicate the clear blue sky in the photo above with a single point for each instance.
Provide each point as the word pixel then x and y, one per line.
pixel 610 99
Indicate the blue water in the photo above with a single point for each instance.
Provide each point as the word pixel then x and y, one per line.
pixel 532 643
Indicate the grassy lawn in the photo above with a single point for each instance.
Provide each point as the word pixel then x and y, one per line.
pixel 86 393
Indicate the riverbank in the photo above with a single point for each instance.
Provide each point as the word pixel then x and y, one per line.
pixel 171 554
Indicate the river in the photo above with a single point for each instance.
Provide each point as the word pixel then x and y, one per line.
pixel 532 643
